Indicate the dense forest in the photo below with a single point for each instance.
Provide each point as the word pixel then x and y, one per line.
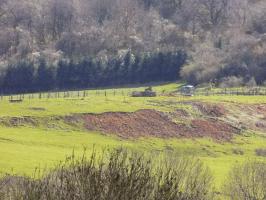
pixel 61 44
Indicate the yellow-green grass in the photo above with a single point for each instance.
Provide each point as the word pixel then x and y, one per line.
pixel 96 104
pixel 125 91
pixel 113 102
pixel 93 104
pixel 25 148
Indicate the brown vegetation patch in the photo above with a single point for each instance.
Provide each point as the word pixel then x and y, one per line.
pixel 252 109
pixel 261 108
pixel 181 113
pixel 212 110
pixel 8 182
pixel 138 124
pixel 157 124
pixel 37 109
pixel 261 152
pixel 261 125
pixel 214 129
pixel 18 121
pixel 250 116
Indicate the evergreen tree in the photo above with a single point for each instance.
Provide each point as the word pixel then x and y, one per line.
pixel 94 73
pixel 62 75
pixel 45 77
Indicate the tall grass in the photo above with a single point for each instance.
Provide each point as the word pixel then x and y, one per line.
pixel 119 175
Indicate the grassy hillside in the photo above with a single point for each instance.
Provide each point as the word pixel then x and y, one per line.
pixel 35 134
pixel 25 149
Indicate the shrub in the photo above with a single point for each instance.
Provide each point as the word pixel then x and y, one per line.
pixel 251 82
pixel 247 181
pixel 231 81
pixel 261 152
pixel 119 176
pixel 238 151
pixel 1 189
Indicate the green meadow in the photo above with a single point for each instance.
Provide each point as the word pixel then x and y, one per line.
pixel 23 149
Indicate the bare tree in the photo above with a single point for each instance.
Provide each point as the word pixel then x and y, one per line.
pixel 61 17
pixel 213 12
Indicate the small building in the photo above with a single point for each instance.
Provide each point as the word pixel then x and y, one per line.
pixel 187 90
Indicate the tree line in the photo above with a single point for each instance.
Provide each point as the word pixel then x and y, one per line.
pixel 224 39
pixel 90 73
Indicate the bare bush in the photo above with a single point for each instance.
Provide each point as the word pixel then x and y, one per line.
pixel 247 181
pixel 238 151
pixel 119 176
pixel 205 66
pixel 231 81
pixel 261 152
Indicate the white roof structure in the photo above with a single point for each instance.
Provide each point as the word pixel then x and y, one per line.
pixel 188 86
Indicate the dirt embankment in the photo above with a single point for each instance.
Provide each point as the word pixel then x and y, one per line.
pixel 137 124
pixel 207 120
pixel 249 116
pixel 147 123
pixel 211 110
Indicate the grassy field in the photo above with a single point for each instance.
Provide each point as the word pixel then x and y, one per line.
pixel 25 148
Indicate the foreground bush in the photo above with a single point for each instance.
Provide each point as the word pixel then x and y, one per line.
pixel 120 176
pixel 247 182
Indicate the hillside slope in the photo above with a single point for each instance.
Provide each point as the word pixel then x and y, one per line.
pixel 219 130
pixel 224 40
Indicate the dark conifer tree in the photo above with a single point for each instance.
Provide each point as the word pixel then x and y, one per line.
pixel 93 73
pixel 45 77
pixel 62 76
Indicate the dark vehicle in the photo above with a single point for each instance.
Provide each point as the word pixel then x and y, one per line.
pixel 147 93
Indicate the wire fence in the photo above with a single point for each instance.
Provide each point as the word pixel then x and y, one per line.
pixel 67 95
pixel 233 92
pixel 128 92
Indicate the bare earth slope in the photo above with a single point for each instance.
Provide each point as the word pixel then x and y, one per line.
pixel 145 123
pixel 214 120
